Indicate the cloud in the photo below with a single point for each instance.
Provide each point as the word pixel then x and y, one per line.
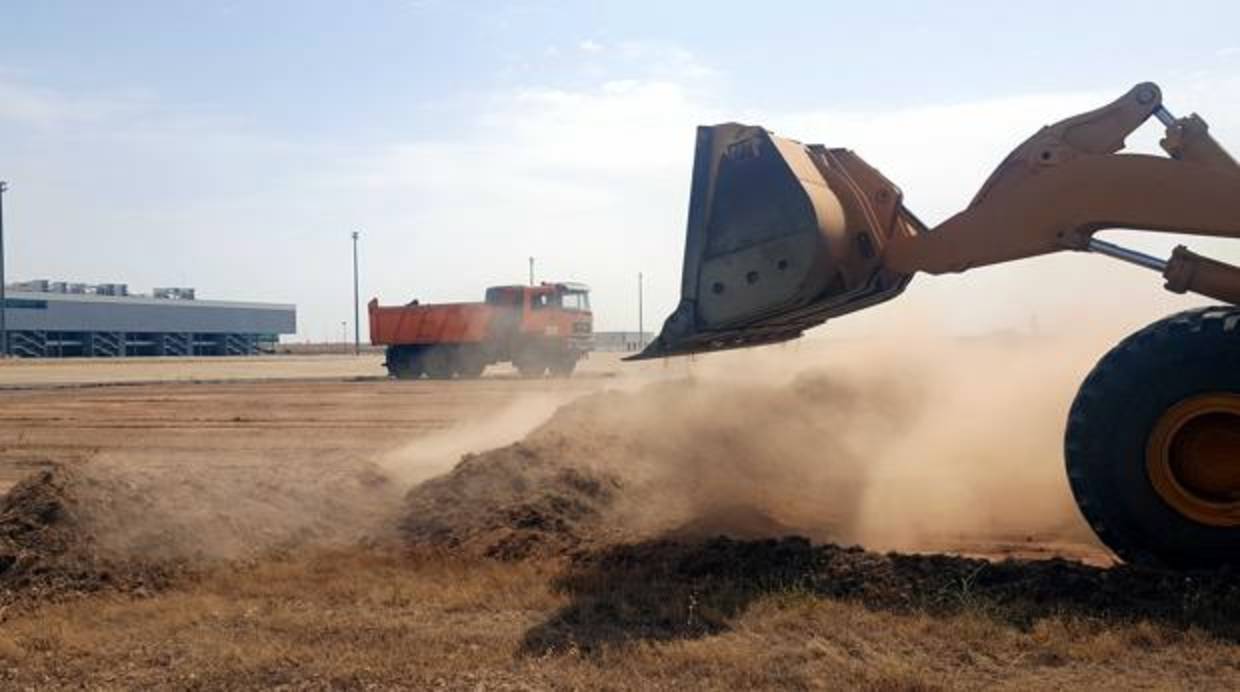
pixel 588 46
pixel 595 180
pixel 26 105
pixel 590 181
pixel 589 176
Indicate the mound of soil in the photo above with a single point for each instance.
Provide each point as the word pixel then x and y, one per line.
pixel 48 549
pixel 894 581
pixel 665 589
pixel 676 457
pixel 124 526
pixel 515 502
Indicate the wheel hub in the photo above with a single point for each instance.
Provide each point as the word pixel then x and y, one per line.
pixel 1193 458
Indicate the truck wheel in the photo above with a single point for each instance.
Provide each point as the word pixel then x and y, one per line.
pixel 438 363
pixel 404 364
pixel 1153 442
pixel 469 364
pixel 530 365
pixel 563 366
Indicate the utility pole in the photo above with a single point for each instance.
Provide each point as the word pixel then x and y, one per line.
pixel 641 330
pixel 357 327
pixel 531 271
pixel 4 331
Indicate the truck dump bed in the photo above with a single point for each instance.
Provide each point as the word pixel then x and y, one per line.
pixel 443 323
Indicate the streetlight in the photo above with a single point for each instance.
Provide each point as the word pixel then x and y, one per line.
pixel 531 271
pixel 357 328
pixel 641 329
pixel 4 332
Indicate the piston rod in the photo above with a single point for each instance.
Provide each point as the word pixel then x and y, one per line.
pixel 1121 253
pixel 1164 116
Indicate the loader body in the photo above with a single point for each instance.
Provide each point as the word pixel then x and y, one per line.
pixel 782 236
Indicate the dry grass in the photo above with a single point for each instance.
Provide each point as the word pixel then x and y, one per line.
pixel 362 619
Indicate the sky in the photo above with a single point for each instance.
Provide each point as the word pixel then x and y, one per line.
pixel 234 146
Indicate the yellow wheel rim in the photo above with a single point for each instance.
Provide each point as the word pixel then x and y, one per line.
pixel 1193 458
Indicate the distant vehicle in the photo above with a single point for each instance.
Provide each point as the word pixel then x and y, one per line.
pixel 539 329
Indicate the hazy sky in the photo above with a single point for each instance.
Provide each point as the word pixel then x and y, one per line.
pixel 233 146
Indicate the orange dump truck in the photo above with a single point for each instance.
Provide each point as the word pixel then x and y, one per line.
pixel 539 329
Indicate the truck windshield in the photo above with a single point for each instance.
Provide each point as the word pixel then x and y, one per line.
pixel 576 300
pixel 503 296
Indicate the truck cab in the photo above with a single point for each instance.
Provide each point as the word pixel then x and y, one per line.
pixel 548 326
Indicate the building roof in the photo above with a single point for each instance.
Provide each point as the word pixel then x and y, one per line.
pixel 144 300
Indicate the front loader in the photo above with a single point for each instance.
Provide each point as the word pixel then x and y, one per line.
pixel 783 236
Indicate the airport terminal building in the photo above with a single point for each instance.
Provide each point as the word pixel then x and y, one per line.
pixel 47 319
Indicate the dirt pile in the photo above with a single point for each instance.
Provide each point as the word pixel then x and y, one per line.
pixel 609 467
pixel 49 547
pixel 514 502
pixel 106 524
pixel 691 458
pixel 665 589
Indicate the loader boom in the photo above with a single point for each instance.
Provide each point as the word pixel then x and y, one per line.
pixel 782 236
pixel 1067 182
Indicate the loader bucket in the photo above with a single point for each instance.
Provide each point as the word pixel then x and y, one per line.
pixel 780 237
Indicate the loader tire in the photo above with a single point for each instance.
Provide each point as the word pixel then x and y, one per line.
pixel 1153 443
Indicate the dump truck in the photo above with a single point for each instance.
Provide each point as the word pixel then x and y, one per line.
pixel 539 329
pixel 782 236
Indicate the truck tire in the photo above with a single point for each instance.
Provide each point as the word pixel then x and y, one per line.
pixel 438 361
pixel 530 364
pixel 563 366
pixel 469 363
pixel 1152 444
pixel 404 363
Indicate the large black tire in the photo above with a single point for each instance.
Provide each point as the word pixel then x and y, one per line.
pixel 563 366
pixel 1129 394
pixel 530 364
pixel 404 363
pixel 469 363
pixel 439 362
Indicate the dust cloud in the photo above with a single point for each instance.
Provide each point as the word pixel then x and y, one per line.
pixel 239 508
pixel 951 444
pixel 437 452
pixel 920 445
pixel 913 444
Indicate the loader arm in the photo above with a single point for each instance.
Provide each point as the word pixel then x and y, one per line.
pixel 782 236
pixel 1067 182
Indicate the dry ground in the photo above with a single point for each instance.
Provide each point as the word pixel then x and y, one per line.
pixel 378 616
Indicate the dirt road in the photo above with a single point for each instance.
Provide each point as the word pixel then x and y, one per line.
pixel 239 411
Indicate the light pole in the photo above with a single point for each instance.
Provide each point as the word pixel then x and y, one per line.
pixel 344 335
pixel 531 271
pixel 4 331
pixel 357 327
pixel 641 330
